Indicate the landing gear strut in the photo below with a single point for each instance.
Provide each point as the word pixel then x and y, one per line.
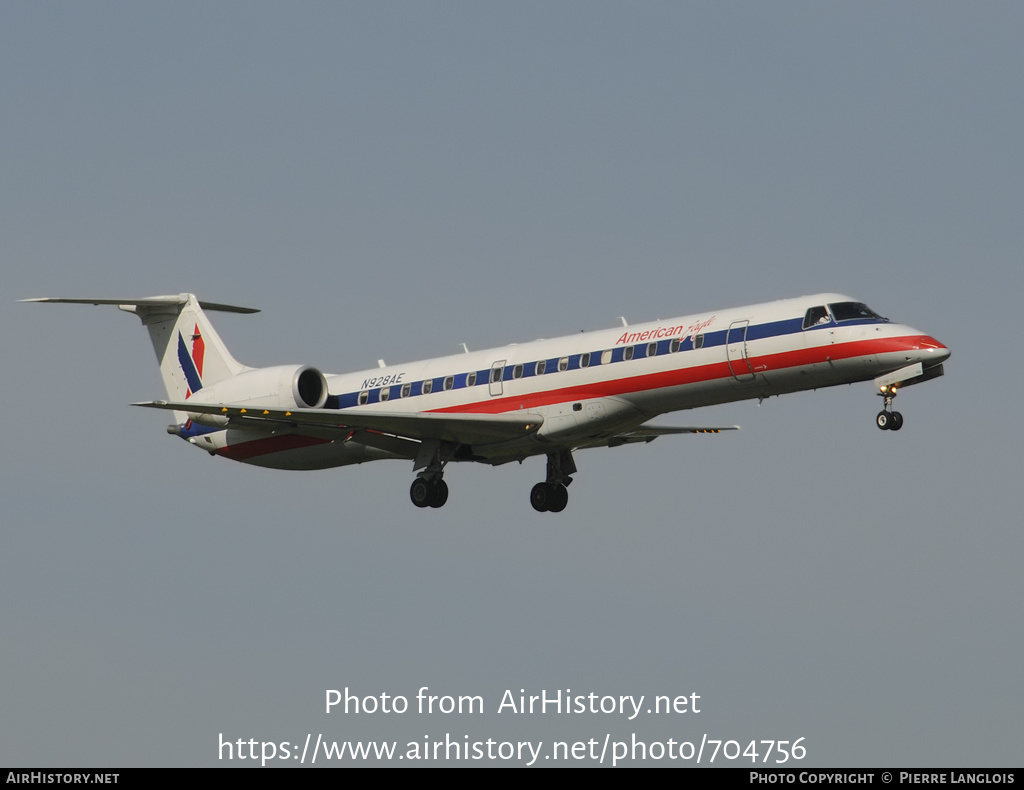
pixel 551 495
pixel 887 419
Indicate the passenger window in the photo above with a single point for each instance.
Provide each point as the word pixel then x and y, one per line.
pixel 541 367
pixel 471 379
pixel 363 397
pixel 673 347
pixel 585 360
pixel 627 353
pixel 428 385
pixel 449 382
pixel 517 372
pixel 563 364
pixel 496 375
pixel 385 393
pixel 698 341
pixel 406 390
pixel 815 316
pixel 652 349
pixel 606 357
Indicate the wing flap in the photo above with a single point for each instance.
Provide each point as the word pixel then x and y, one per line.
pixel 648 433
pixel 455 428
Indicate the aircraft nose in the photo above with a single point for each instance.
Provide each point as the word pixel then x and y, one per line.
pixel 932 351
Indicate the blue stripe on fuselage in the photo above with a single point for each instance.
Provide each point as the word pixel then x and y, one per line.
pixel 192 429
pixel 788 326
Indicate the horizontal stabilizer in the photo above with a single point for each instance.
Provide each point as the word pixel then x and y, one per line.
pixel 189 351
pixel 150 301
pixel 456 428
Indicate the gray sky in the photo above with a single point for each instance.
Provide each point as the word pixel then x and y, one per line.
pixel 391 180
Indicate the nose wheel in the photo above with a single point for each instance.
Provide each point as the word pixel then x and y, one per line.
pixel 887 419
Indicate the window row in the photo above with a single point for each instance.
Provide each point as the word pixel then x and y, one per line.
pixel 500 372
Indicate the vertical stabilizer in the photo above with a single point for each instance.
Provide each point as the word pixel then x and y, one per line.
pixel 191 354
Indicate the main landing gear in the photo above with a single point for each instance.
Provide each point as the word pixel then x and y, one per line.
pixel 887 419
pixel 429 489
pixel 551 495
pixel 428 493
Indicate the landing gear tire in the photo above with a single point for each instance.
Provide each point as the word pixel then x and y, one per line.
pixel 549 497
pixel 559 498
pixel 439 494
pixel 420 492
pixel 424 493
pixel 889 420
pixel 540 497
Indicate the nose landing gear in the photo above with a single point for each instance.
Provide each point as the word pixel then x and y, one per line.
pixel 887 419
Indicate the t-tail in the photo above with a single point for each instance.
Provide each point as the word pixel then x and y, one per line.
pixel 191 354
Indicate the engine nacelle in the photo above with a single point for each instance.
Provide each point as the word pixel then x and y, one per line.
pixel 282 387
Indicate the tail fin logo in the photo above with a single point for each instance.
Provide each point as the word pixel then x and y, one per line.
pixel 192 361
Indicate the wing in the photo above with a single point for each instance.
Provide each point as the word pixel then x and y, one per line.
pixel 648 433
pixel 455 428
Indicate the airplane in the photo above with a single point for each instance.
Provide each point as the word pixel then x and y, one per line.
pixel 546 397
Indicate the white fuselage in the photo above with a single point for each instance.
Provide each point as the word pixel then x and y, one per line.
pixel 591 385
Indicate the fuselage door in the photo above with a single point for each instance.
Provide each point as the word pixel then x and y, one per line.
pixel 494 382
pixel 736 351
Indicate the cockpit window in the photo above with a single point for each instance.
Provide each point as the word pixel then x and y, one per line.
pixel 815 316
pixel 854 311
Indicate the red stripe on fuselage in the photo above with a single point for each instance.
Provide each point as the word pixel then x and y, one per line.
pixel 766 363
